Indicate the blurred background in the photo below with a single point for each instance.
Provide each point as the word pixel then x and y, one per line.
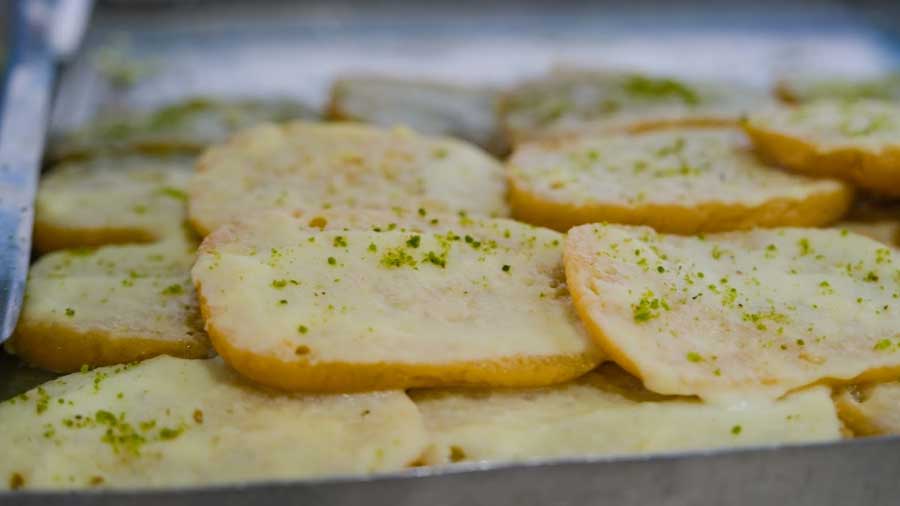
pixel 146 52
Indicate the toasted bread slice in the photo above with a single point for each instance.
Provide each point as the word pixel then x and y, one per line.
pixel 171 422
pixel 110 305
pixel 854 141
pixel 111 201
pixel 872 409
pixel 679 180
pixel 807 88
pixel 471 302
pixel 317 166
pixel 598 415
pixel 742 315
pixel 185 127
pixel 431 108
pixel 574 101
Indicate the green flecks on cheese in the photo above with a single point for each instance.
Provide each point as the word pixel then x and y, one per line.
pixel 343 166
pixel 791 306
pixel 655 88
pixel 175 193
pixel 397 257
pixel 173 289
pixel 603 413
pixel 168 422
pixel 576 101
pixel 648 307
pixel 832 123
pixel 673 166
pixel 474 263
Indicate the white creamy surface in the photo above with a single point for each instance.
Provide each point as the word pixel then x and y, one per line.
pixel 315 166
pixel 169 422
pixel 740 315
pixel 593 417
pixel 392 296
pixel 675 167
pixel 866 124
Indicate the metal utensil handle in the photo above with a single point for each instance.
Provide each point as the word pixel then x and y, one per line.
pixel 23 124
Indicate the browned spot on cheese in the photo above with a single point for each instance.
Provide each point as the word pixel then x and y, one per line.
pixel 16 481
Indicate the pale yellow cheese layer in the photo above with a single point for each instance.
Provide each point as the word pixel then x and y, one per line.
pixel 595 416
pixel 110 305
pixel 679 180
pixel 111 200
pixel 470 301
pixel 831 124
pixel 741 315
pixel 318 166
pixel 573 101
pixel 172 422
pixel 186 126
pixel 806 88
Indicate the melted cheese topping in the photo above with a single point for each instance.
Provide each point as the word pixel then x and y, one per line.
pixel 680 166
pixel 168 422
pixel 574 101
pixel 865 124
pixel 316 166
pixel 111 305
pixel 746 315
pixel 111 200
pixel 596 415
pixel 464 294
pixel 186 126
pixel 806 88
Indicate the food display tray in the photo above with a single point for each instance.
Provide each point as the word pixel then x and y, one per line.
pixel 295 49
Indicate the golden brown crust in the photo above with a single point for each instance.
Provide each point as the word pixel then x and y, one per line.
pixel 816 210
pixel 878 172
pixel 333 110
pixel 578 270
pixel 587 284
pixel 61 349
pixel 783 91
pixel 48 237
pixel 162 148
pixel 813 209
pixel 853 406
pixel 850 414
pixel 334 377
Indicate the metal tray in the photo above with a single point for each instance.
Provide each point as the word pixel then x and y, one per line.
pixel 295 49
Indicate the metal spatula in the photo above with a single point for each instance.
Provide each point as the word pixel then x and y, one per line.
pixel 45 32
